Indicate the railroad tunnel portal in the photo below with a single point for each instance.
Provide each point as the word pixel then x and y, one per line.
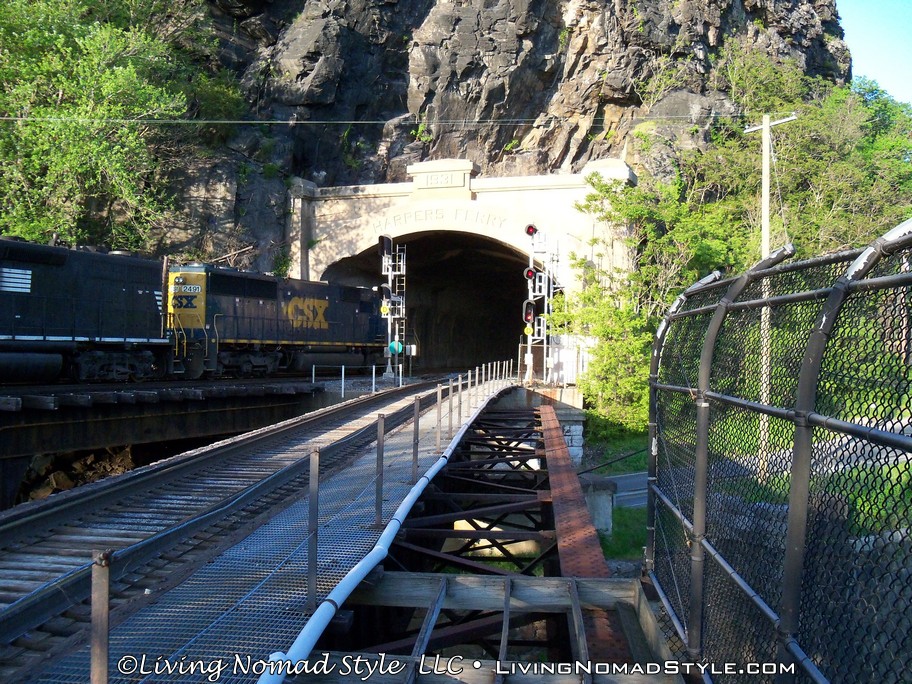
pixel 464 296
pixel 466 247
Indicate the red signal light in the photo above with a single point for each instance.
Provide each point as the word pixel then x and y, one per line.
pixel 528 311
pixel 531 230
pixel 530 273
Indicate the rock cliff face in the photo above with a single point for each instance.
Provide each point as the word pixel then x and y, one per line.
pixel 517 86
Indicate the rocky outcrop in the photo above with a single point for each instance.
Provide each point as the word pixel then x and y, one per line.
pixel 516 86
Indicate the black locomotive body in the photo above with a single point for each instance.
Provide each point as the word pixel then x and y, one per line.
pixel 92 316
pixel 226 321
pixel 89 315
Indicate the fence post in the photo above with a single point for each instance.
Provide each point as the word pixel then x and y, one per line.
pixel 101 576
pixel 343 382
pixel 313 519
pixel 378 488
pixel 459 398
pixel 701 470
pixel 439 402
pixel 450 407
pixel 374 379
pixel 416 419
pixel 701 451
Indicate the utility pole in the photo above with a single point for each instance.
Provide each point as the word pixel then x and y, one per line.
pixel 766 143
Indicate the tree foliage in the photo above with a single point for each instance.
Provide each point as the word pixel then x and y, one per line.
pixel 842 176
pixel 80 81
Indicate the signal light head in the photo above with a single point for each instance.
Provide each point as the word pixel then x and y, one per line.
pixel 531 230
pixel 528 311
pixel 530 273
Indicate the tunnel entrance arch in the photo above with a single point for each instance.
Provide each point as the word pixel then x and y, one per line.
pixel 464 295
pixel 466 244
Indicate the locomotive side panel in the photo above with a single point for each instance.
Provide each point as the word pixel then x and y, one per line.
pixel 336 318
pixel 243 307
pixel 119 297
pixel 52 294
pixel 313 315
pixel 246 323
pixel 80 312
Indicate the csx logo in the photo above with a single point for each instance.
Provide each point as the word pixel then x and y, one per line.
pixel 183 302
pixel 307 313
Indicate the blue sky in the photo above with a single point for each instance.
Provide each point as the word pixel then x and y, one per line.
pixel 879 35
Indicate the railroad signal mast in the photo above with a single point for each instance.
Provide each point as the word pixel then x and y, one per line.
pixel 541 286
pixel 392 265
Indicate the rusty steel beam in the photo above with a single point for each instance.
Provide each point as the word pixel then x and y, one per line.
pixel 578 543
pixel 579 549
pixel 454 561
pixel 429 520
pixel 466 632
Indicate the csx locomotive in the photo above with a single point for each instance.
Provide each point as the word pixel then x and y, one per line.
pixel 88 316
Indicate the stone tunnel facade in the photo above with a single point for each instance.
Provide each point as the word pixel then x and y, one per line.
pixel 466 247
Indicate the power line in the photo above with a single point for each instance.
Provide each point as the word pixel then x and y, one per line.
pixel 343 122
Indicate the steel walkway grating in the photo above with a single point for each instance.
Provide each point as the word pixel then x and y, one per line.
pixel 251 599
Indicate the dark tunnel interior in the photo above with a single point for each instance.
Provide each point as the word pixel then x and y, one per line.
pixel 464 296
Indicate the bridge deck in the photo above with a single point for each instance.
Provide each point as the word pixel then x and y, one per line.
pixel 251 601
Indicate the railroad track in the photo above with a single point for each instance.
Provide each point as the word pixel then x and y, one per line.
pixel 207 496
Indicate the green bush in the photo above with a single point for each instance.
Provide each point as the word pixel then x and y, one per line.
pixel 217 98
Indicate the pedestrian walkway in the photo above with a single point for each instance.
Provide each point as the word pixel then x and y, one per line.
pixel 224 621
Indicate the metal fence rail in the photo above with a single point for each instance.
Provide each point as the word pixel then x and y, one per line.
pixel 780 500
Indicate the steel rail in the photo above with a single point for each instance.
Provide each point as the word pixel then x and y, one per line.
pixel 74 502
pixel 54 596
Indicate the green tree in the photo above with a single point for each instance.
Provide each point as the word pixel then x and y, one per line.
pixel 615 386
pixel 81 83
pixel 842 173
pixel 843 176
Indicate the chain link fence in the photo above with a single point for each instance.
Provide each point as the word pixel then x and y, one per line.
pixel 780 506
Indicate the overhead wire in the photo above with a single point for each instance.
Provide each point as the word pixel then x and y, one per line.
pixel 329 122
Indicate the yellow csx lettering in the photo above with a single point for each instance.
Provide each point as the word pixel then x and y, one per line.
pixel 307 313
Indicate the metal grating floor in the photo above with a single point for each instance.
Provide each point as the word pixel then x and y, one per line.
pixel 250 601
